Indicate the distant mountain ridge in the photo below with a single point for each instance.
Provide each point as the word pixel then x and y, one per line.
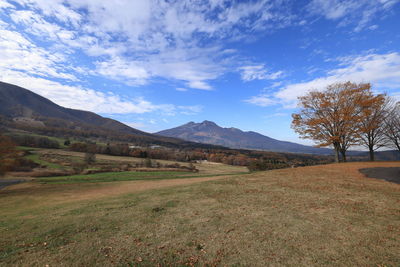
pixel 210 133
pixel 16 101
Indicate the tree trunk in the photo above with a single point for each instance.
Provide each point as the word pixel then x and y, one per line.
pixel 371 154
pixel 397 145
pixel 343 152
pixel 336 149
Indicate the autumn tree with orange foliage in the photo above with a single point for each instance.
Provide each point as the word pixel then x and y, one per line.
pixel 332 117
pixel 7 154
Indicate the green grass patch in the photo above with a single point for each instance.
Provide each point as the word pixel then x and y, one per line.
pixel 26 148
pixel 36 158
pixel 123 176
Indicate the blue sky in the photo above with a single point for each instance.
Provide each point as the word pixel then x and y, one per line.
pixel 158 64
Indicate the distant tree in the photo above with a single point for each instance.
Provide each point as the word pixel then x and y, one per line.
pixel 372 123
pixel 392 126
pixel 108 149
pixel 331 117
pixel 90 156
pixel 148 163
pixel 67 142
pixel 8 154
pixel 79 147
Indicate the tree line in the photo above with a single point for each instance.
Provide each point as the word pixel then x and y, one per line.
pixel 257 160
pixel 349 114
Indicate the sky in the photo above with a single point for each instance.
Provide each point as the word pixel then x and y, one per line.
pixel 157 64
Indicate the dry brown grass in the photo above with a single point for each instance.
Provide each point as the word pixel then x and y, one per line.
pixel 321 215
pixel 76 192
pixel 204 168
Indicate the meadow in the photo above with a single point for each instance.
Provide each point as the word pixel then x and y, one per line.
pixel 320 215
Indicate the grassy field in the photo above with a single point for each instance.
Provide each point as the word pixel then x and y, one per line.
pixel 210 168
pixel 321 215
pixel 124 176
pixel 36 158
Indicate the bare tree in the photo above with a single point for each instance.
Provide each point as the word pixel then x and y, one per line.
pixel 372 124
pixel 392 126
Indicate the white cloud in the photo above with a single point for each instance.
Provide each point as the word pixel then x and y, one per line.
pixel 181 89
pixel 88 99
pixel 77 97
pixel 4 4
pixel 258 72
pixel 135 41
pixel 360 12
pixel 190 110
pixel 118 69
pixel 20 54
pixel 54 8
pixel 36 24
pixel 192 67
pixel 24 64
pixel 261 100
pixel 382 70
pixel 250 73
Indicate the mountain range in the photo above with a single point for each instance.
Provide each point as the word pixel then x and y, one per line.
pixel 210 133
pixel 26 109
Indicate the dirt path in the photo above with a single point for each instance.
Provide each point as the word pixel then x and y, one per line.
pixel 390 174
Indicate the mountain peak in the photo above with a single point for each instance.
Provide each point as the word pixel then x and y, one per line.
pixel 210 133
pixel 209 123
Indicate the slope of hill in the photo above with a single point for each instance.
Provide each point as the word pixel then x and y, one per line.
pixel 17 102
pixel 210 133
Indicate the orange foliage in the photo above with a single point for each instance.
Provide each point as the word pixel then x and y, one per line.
pixel 332 117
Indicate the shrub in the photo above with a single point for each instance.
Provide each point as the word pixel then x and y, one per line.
pixel 78 167
pixel 7 154
pixel 90 158
pixel 23 165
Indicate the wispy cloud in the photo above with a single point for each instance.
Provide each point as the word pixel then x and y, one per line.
pixel 258 72
pixel 382 70
pixel 262 100
pixel 358 12
pixel 27 65
pixel 135 41
pixel 51 46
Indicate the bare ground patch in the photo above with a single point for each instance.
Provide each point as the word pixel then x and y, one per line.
pixel 390 174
